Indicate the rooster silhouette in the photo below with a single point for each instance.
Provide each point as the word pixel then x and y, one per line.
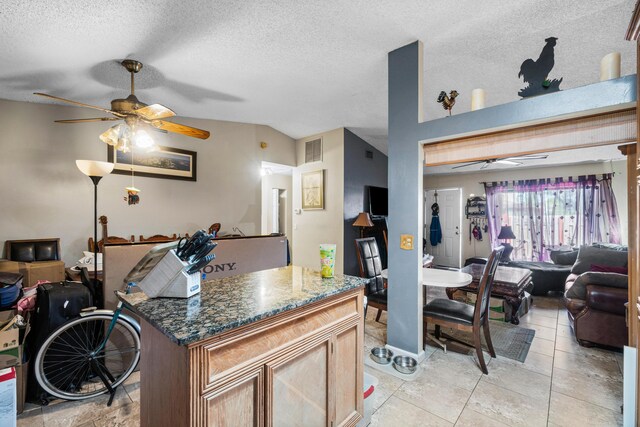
pixel 536 73
pixel 448 101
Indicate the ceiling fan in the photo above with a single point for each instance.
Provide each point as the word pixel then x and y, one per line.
pixel 134 113
pixel 504 161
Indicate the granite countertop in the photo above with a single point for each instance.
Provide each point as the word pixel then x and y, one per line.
pixel 228 303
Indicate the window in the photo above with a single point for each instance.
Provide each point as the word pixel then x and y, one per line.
pixel 555 214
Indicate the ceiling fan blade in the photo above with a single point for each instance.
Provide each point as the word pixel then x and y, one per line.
pixel 507 162
pixel 97 119
pixel 468 164
pixel 529 157
pixel 154 111
pixel 182 129
pixel 80 104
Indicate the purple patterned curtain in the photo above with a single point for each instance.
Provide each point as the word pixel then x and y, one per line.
pixel 552 214
pixel 597 219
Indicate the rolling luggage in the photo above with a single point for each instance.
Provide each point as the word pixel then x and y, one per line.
pixel 56 304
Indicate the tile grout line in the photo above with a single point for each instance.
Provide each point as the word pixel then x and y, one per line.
pixel 553 361
pixel 468 399
pixel 588 403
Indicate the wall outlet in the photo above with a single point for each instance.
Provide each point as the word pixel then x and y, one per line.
pixel 406 242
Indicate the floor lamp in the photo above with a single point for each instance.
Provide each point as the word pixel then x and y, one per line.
pixel 95 170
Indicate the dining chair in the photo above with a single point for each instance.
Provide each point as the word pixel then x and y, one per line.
pixel 370 265
pixel 105 237
pixel 459 315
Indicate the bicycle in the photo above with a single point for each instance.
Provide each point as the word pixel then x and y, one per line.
pixel 90 355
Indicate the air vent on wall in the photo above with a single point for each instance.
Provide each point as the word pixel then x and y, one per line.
pixel 368 154
pixel 313 151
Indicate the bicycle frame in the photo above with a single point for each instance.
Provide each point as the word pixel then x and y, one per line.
pixel 114 320
pixel 115 315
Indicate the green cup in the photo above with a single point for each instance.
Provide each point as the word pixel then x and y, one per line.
pixel 327 259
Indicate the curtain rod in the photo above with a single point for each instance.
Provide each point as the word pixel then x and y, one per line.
pixel 563 179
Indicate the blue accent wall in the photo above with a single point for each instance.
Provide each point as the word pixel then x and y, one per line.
pixel 359 172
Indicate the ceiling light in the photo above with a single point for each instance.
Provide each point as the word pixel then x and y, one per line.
pixel 121 136
pixel 142 139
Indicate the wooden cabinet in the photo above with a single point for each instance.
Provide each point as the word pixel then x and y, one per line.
pixel 303 367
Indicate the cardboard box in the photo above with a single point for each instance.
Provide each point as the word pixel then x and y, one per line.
pixel 499 309
pixel 52 271
pixel 11 354
pixel 10 349
pixel 22 374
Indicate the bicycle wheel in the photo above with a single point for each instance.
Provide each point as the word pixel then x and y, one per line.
pixel 71 365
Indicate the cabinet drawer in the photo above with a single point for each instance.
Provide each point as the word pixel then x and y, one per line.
pixel 250 349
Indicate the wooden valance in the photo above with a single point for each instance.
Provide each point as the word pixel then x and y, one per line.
pixel 602 129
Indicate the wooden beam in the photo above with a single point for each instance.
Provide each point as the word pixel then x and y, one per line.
pixel 603 129
pixel 633 31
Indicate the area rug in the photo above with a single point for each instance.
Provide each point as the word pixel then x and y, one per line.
pixel 510 341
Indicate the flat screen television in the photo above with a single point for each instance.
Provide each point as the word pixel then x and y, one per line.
pixel 378 201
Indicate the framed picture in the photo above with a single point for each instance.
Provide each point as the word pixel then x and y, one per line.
pixel 313 190
pixel 166 162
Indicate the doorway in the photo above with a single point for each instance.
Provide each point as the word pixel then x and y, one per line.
pixel 276 199
pixel 447 252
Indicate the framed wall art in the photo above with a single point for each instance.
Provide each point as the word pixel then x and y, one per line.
pixel 165 162
pixel 313 190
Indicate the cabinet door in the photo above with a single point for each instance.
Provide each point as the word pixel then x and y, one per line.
pixel 239 403
pixel 349 376
pixel 297 387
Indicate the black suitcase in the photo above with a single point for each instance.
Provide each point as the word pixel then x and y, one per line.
pixel 56 304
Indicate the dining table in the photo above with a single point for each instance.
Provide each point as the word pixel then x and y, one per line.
pixel 439 278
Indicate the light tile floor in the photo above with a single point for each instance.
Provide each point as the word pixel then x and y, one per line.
pixel 560 384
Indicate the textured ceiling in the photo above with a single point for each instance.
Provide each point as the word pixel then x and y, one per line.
pixel 301 67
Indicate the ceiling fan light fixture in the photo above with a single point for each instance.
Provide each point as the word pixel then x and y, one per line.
pixel 110 136
pixel 143 140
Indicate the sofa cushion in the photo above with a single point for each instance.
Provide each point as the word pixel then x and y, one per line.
pixel 588 255
pixel 611 246
pixel 609 269
pixel 578 289
pixel 563 257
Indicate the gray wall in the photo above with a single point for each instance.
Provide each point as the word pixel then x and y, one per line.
pixel 359 172
pixel 45 195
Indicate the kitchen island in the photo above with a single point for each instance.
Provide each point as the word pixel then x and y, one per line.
pixel 279 347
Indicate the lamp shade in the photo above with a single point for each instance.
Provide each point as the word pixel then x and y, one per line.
pixel 363 220
pixel 506 233
pixel 94 168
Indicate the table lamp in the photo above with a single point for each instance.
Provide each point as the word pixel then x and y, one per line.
pixel 95 171
pixel 506 233
pixel 363 220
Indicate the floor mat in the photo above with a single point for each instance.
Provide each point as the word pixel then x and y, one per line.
pixel 510 341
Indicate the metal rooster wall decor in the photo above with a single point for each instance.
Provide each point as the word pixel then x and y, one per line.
pixel 536 73
pixel 448 101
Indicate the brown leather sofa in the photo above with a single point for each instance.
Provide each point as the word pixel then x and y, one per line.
pixel 595 301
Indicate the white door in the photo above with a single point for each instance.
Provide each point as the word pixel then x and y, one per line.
pixel 447 252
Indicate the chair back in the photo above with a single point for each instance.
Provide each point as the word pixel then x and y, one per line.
pixel 370 263
pixel 481 310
